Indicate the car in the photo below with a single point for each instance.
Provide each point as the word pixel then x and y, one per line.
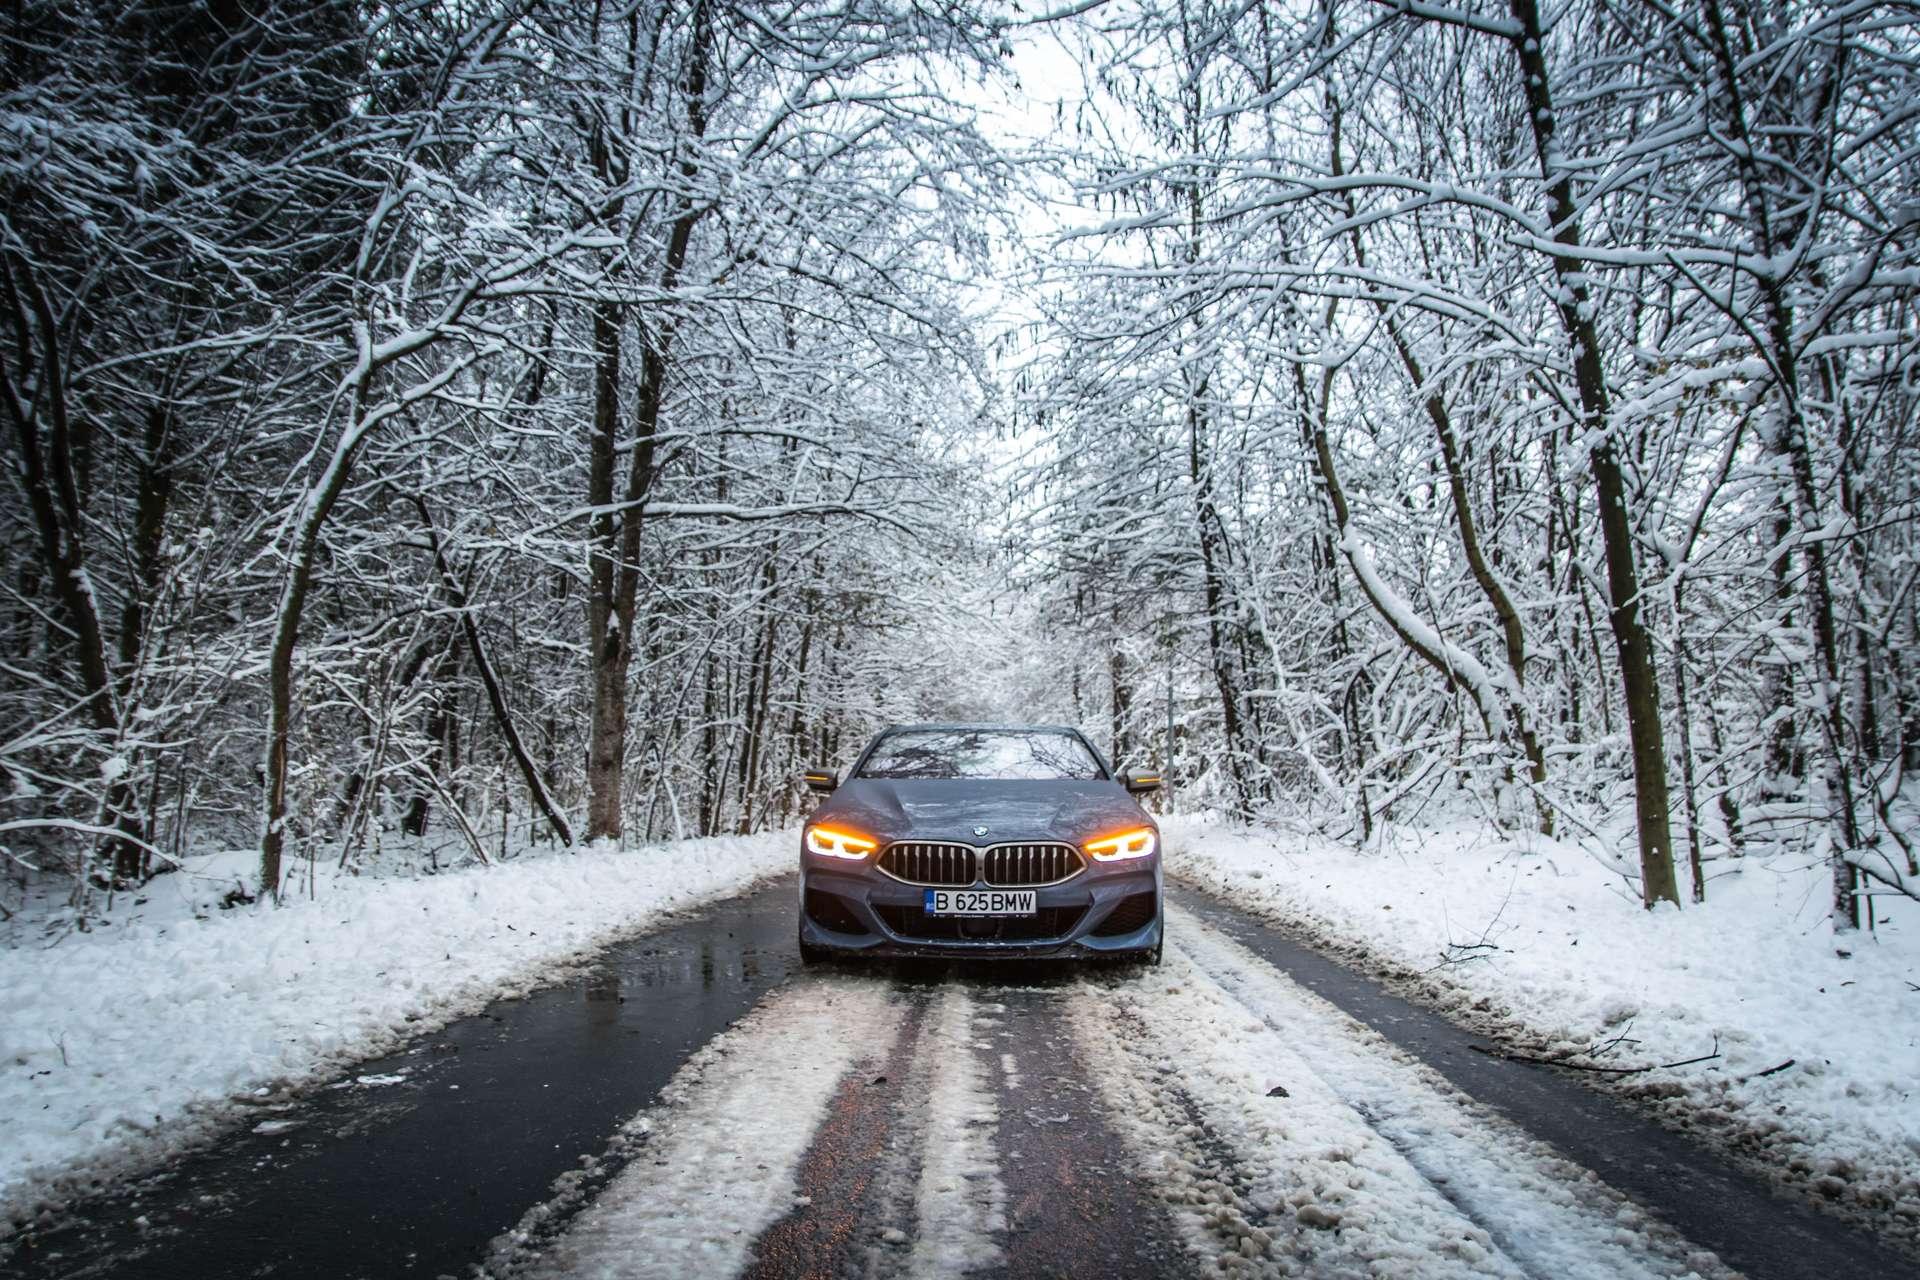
pixel 980 841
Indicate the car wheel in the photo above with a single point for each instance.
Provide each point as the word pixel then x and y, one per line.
pixel 1131 961
pixel 810 954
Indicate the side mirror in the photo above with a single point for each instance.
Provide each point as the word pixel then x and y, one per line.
pixel 1141 783
pixel 821 780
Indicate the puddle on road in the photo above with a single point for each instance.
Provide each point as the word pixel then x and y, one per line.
pixel 413 1177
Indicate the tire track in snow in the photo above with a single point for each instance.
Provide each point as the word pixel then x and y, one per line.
pixel 847 1185
pixel 1546 1214
pixel 1262 1185
pixel 719 1154
pixel 934 1204
pixel 961 1201
pixel 1225 1218
pixel 1076 1202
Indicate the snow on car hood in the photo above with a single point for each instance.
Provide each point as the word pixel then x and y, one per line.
pixel 949 809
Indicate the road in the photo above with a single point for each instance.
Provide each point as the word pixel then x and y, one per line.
pixel 699 1105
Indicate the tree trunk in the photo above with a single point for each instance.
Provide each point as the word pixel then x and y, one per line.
pixel 606 642
pixel 1689 787
pixel 496 699
pixel 286 635
pixel 1313 412
pixel 1776 680
pixel 614 580
pixel 759 693
pixel 1790 442
pixel 797 727
pixel 1213 580
pixel 48 474
pixel 149 524
pixel 1631 642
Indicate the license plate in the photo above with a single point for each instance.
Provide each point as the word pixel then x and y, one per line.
pixel 980 902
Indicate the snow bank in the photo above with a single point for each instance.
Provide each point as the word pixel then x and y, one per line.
pixel 1548 950
pixel 116 1045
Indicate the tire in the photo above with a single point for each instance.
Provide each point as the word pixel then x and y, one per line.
pixel 1133 961
pixel 811 955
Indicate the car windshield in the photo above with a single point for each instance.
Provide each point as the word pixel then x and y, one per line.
pixel 1016 754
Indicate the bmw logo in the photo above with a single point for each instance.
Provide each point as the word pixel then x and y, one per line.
pixel 979 831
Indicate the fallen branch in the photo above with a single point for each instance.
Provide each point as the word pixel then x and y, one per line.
pixel 1447 951
pixel 1887 874
pixel 474 843
pixel 1770 1071
pixel 1567 1061
pixel 1608 1046
pixel 1465 951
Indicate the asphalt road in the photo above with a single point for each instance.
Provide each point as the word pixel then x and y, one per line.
pixel 1250 1107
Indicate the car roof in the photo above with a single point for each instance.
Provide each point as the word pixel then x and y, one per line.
pixel 949 726
pixel 1010 728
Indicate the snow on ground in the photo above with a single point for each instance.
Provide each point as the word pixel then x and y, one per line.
pixel 1543 946
pixel 1253 1179
pixel 719 1155
pixel 1550 1216
pixel 120 1044
pixel 1296 1142
pixel 961 1208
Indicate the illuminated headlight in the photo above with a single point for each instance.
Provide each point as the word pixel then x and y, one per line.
pixel 1137 843
pixel 829 843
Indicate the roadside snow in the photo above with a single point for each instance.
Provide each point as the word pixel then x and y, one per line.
pixel 719 1154
pixel 1541 946
pixel 118 1045
pixel 1548 1215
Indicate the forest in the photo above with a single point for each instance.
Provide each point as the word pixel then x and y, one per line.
pixel 568 421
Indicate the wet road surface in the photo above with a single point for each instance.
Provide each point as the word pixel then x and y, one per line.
pixel 1212 1116
pixel 414 1178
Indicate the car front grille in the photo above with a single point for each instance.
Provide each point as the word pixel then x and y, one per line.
pixel 914 925
pixel 929 862
pixel 1027 865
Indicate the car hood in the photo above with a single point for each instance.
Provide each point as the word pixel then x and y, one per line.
pixel 950 809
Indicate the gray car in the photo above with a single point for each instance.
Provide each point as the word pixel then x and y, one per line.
pixel 972 841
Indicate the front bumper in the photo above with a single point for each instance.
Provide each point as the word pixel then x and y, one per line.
pixel 858 910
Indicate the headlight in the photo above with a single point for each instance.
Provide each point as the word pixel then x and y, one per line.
pixel 830 843
pixel 1137 843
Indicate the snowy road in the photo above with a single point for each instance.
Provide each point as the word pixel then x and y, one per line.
pixel 1213 1116
pixel 1208 1117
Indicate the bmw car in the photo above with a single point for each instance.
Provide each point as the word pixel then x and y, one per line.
pixel 976 841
